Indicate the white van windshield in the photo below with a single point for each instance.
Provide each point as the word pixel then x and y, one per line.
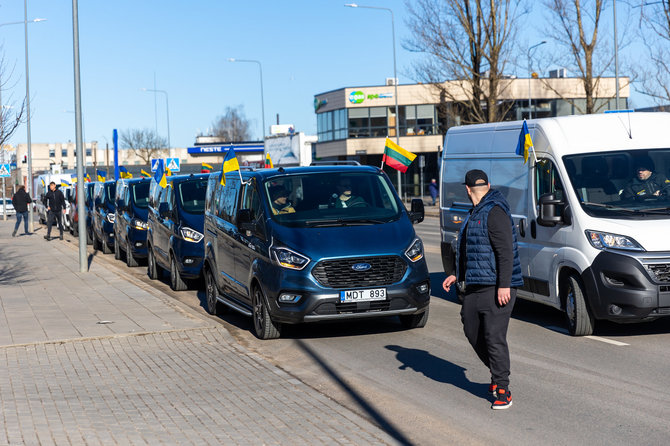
pixel 621 183
pixel 331 199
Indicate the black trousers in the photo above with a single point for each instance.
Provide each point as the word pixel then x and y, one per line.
pixel 485 325
pixel 51 216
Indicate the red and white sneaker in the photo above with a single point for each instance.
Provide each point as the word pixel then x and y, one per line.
pixel 503 399
pixel 493 389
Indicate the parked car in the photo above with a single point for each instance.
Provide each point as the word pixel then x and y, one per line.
pixel 41 187
pixel 103 215
pixel 175 225
pixel 89 199
pixel 74 212
pixel 10 207
pixel 130 224
pixel 284 247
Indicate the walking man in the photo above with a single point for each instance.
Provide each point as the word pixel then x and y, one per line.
pixel 487 267
pixel 20 200
pixel 434 190
pixel 55 203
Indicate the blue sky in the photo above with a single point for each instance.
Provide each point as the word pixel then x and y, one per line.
pixel 305 47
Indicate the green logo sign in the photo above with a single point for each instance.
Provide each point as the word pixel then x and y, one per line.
pixel 356 97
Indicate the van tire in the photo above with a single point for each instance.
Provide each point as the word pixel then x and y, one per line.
pixel 410 321
pixel 579 318
pixel 176 282
pixel 105 246
pixel 153 270
pixel 131 261
pixel 117 249
pixel 96 242
pixel 89 238
pixel 264 328
pixel 211 295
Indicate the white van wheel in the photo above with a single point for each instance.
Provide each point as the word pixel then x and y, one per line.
pixel 264 328
pixel 579 318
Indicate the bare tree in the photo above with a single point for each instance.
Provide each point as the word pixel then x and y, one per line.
pixel 468 46
pixel 145 143
pixel 580 22
pixel 655 29
pixel 11 115
pixel 232 125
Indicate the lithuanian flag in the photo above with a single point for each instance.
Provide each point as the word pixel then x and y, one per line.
pixel 145 173
pixel 397 157
pixel 268 161
pixel 230 164
pixel 207 166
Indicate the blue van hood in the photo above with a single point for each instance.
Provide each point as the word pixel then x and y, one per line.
pixel 347 241
pixel 141 213
pixel 193 221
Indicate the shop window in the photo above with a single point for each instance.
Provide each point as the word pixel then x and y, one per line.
pixel 378 121
pixel 359 122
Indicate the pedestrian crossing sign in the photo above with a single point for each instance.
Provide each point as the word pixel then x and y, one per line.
pixel 154 164
pixel 5 171
pixel 172 164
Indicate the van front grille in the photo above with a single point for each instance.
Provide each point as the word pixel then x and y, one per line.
pixel 661 271
pixel 384 270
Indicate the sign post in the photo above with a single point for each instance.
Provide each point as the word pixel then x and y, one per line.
pixel 422 164
pixel 4 173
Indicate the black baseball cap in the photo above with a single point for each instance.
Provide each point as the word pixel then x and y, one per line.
pixel 474 176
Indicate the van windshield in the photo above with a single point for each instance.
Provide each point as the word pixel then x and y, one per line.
pixel 110 192
pixel 331 199
pixel 622 184
pixel 191 195
pixel 141 194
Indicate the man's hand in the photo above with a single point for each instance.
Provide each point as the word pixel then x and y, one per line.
pixel 504 296
pixel 448 282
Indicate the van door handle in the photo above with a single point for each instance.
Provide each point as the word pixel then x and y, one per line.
pixel 522 227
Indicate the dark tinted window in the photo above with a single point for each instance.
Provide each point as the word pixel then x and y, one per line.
pixel 110 192
pixel 191 195
pixel 227 198
pixel 141 194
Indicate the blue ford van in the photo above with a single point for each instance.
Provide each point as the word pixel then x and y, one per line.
pixel 130 226
pixel 103 215
pixel 308 244
pixel 175 227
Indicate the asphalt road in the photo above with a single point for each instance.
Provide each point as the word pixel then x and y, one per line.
pixel 426 386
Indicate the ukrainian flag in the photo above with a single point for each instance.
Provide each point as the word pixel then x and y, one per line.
pixel 64 183
pixel 124 172
pixel 102 175
pixel 145 173
pixel 525 143
pixel 230 164
pixel 74 178
pixel 160 176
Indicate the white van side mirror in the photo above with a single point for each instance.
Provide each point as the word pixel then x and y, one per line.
pixel 551 210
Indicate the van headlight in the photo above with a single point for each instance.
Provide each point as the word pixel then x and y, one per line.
pixel 602 240
pixel 290 259
pixel 139 224
pixel 415 251
pixel 191 235
pixel 111 218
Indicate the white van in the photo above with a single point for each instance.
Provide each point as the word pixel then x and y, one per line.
pixel 594 235
pixel 41 187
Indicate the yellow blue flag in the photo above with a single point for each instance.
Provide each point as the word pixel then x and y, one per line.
pixel 123 172
pixel 230 164
pixel 64 183
pixel 160 176
pixel 525 144
pixel 102 175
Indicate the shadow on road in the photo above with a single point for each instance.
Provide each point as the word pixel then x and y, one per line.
pixel 364 404
pixel 13 269
pixel 437 369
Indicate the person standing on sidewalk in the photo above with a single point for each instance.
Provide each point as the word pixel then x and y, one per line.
pixel 20 200
pixel 55 203
pixel 487 268
pixel 434 190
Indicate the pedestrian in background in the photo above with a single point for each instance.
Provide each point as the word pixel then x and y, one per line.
pixel 487 268
pixel 20 200
pixel 434 190
pixel 55 203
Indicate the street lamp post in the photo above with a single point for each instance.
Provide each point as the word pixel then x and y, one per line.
pixel 395 79
pixel 260 68
pixel 167 109
pixel 616 56
pixel 530 76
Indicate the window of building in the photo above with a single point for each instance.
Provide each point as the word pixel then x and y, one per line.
pixel 332 125
pixel 378 121
pixel 52 153
pixel 63 153
pixel 359 122
pixel 88 152
pixel 418 120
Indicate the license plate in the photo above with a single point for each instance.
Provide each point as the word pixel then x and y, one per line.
pixel 363 295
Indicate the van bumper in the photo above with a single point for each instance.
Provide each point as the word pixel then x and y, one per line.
pixel 137 243
pixel 189 257
pixel 322 304
pixel 628 286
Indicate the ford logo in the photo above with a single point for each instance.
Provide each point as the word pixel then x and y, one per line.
pixel 361 266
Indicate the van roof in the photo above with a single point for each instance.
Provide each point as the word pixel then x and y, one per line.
pixel 182 178
pixel 587 133
pixel 263 174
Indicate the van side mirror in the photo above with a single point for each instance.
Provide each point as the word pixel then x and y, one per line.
pixel 550 210
pixel 417 212
pixel 163 209
pixel 244 221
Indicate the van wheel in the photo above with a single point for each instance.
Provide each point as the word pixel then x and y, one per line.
pixel 105 245
pixel 414 320
pixel 579 318
pixel 131 261
pixel 75 230
pixel 117 249
pixel 153 270
pixel 89 237
pixel 176 282
pixel 264 328
pixel 211 292
pixel 96 242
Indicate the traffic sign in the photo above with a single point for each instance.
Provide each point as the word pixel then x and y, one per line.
pixel 5 171
pixel 154 164
pixel 172 164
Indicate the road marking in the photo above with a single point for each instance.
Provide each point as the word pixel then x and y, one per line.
pixel 595 338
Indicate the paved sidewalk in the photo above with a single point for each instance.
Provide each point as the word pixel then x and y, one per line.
pixel 100 358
